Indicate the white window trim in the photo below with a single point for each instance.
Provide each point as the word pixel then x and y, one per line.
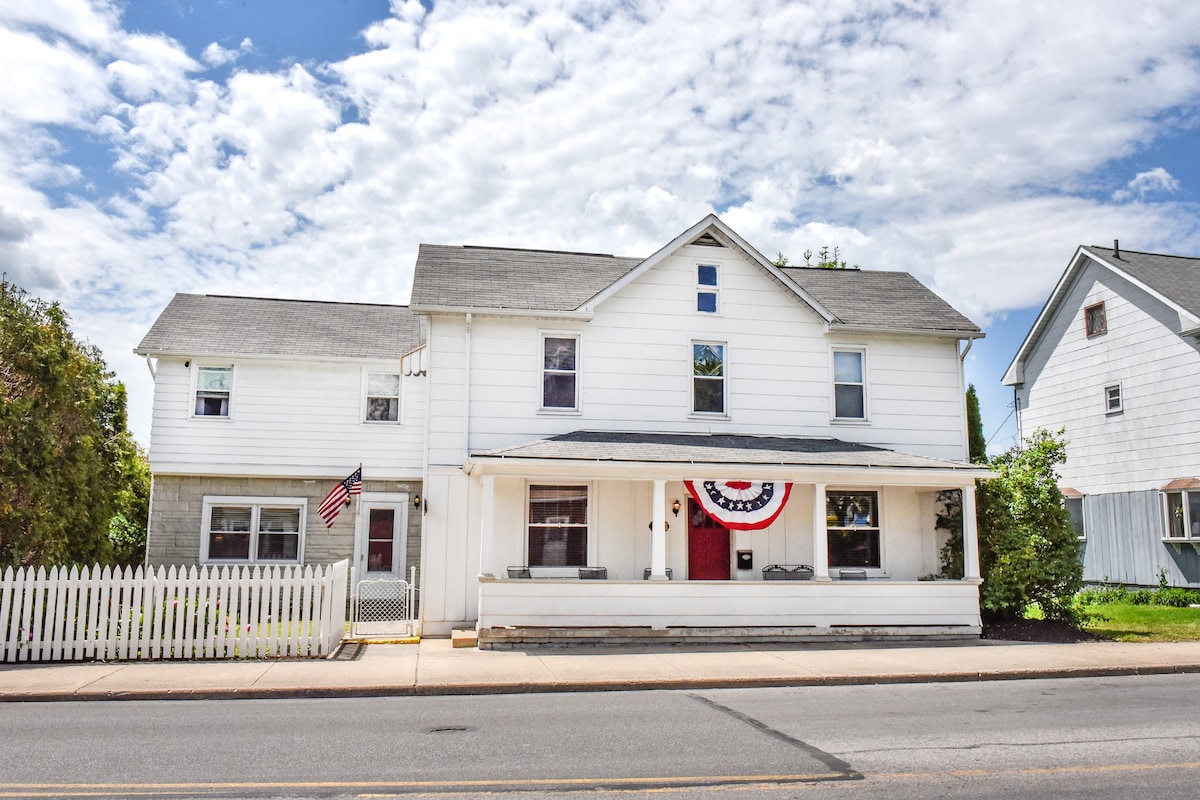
pixel 593 549
pixel 692 412
pixel 367 372
pixel 194 379
pixel 1083 515
pixel 714 290
pixel 255 503
pixel 1120 398
pixel 865 419
pixel 872 572
pixel 577 409
pixel 1188 522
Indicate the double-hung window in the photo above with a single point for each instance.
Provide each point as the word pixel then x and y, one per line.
pixel 852 522
pixel 383 397
pixel 214 385
pixel 560 372
pixel 708 289
pixel 558 526
pixel 1183 513
pixel 253 530
pixel 849 384
pixel 708 378
pixel 1112 399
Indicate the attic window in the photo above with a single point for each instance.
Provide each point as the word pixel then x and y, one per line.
pixel 1095 320
pixel 708 240
pixel 708 287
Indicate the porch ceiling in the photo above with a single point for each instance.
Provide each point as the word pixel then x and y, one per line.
pixel 661 452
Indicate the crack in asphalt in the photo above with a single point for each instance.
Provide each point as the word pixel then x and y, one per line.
pixel 842 768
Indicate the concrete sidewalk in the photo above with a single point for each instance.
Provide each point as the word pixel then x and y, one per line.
pixel 433 667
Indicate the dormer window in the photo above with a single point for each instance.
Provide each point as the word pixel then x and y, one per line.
pixel 708 289
pixel 1094 320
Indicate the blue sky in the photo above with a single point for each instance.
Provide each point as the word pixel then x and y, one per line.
pixel 305 148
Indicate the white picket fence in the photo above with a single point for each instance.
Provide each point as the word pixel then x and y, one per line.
pixel 171 613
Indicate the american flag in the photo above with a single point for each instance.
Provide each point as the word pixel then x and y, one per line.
pixel 331 506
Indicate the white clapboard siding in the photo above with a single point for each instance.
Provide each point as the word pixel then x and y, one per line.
pixel 287 418
pixel 1066 374
pixel 635 370
pixel 87 613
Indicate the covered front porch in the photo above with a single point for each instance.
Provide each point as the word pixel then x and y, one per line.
pixel 625 545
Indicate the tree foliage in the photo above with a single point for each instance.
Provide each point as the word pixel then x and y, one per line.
pixel 67 462
pixel 1028 551
pixel 977 444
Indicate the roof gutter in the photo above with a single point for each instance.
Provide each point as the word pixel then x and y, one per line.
pixel 502 312
pixel 930 332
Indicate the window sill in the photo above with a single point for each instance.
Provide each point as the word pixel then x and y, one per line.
pixel 1179 542
pixel 560 412
pixel 849 421
pixel 214 417
pixel 395 423
pixel 708 416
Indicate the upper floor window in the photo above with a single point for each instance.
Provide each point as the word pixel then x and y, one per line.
pixel 708 288
pixel 852 520
pixel 1094 320
pixel 213 388
pixel 253 529
pixel 558 526
pixel 849 384
pixel 560 372
pixel 1183 514
pixel 708 378
pixel 383 397
pixel 1112 399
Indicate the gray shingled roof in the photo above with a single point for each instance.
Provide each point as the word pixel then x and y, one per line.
pixel 196 324
pixel 489 277
pixel 685 448
pixel 498 277
pixel 874 298
pixel 1175 277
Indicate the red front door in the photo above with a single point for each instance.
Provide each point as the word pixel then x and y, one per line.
pixel 708 546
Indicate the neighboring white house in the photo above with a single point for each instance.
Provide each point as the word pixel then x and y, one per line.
pixel 260 408
pixel 576 425
pixel 575 397
pixel 1114 359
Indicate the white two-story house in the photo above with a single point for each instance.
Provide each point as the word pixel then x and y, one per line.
pixel 260 408
pixel 1114 360
pixel 641 448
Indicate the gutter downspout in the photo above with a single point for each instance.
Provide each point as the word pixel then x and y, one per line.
pixel 962 389
pixel 467 391
pixel 150 366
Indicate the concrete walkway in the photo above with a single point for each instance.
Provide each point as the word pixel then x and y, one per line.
pixel 433 667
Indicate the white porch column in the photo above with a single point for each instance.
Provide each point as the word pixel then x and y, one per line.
pixel 820 535
pixel 658 538
pixel 970 536
pixel 487 525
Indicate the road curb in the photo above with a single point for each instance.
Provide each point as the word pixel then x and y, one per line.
pixel 439 690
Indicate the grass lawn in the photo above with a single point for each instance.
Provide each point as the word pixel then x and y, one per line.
pixel 1126 622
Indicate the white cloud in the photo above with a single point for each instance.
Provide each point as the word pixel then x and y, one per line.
pixel 1155 180
pixel 959 141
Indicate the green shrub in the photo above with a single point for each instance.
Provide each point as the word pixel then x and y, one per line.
pixel 1175 597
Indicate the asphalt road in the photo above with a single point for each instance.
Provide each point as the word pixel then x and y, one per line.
pixel 1095 738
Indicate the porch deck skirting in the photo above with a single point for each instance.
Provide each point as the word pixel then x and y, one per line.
pixel 632 610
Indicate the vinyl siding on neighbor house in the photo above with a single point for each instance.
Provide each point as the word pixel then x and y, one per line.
pixel 635 369
pixel 1156 438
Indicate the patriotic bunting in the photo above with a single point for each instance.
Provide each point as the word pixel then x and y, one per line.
pixel 741 505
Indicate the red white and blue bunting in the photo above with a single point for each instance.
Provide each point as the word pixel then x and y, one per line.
pixel 741 505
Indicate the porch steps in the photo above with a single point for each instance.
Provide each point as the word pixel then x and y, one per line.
pixel 463 638
pixel 502 638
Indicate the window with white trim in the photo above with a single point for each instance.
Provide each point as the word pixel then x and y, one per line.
pixel 1112 399
pixel 708 377
pixel 849 383
pixel 852 524
pixel 253 530
pixel 708 289
pixel 214 387
pixel 558 526
pixel 1182 510
pixel 560 372
pixel 383 397
pixel 1074 506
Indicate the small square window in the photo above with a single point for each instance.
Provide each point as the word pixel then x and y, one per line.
pixel 213 387
pixel 383 397
pixel 1094 320
pixel 707 288
pixel 1112 399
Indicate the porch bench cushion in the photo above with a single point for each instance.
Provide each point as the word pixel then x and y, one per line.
pixel 646 574
pixel 593 573
pixel 519 572
pixel 852 574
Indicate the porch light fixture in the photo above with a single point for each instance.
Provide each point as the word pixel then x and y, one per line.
pixel 675 508
pixel 416 501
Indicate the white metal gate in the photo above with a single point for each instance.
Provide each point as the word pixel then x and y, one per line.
pixel 384 607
